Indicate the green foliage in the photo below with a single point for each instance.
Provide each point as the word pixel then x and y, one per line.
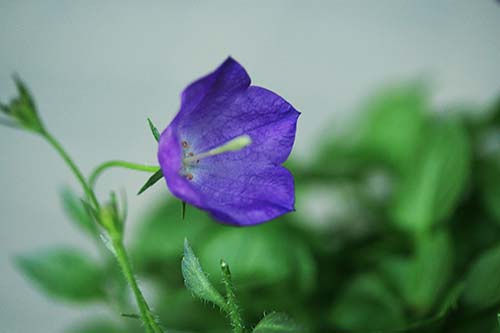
pixel 482 288
pixel 429 191
pixel 197 281
pixel 277 323
pixel 397 229
pixel 22 109
pixel 78 213
pixel 64 273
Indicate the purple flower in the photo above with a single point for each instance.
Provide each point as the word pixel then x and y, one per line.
pixel 224 149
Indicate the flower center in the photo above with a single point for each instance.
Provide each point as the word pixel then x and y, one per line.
pixel 190 159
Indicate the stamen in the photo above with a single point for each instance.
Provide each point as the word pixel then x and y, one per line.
pixel 189 176
pixel 235 144
pixel 185 144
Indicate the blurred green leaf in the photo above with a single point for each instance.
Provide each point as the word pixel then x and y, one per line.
pixel 482 285
pixel 64 273
pixel 277 323
pixel 159 240
pixel 98 325
pixel 431 270
pixel 259 256
pixel 197 281
pixel 151 181
pixel 76 210
pixel 393 122
pixel 366 304
pixel 430 189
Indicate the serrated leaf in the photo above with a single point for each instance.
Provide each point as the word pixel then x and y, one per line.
pixel 276 323
pixel 79 214
pixel 482 285
pixel 197 281
pixel 154 130
pixel 151 181
pixel 63 273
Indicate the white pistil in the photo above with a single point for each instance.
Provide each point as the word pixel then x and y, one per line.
pixel 235 144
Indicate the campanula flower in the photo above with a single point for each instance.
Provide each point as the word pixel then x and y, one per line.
pixel 224 149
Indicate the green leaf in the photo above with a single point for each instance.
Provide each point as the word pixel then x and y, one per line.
pixel 160 237
pixel 197 281
pixel 366 303
pixel 431 188
pixel 97 325
pixel 259 256
pixel 63 273
pixel 74 207
pixel 277 323
pixel 151 181
pixel 392 123
pixel 482 285
pixel 154 130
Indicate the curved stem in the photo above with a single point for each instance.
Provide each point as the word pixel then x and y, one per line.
pixel 147 317
pixel 119 164
pixel 76 171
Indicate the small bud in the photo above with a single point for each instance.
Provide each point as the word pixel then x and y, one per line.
pixel 22 109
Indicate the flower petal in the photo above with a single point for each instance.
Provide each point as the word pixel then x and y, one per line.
pixel 246 196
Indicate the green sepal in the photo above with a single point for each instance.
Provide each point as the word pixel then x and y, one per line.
pixel 151 181
pixel 154 130
pixel 22 109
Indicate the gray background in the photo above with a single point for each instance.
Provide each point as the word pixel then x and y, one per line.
pixel 99 69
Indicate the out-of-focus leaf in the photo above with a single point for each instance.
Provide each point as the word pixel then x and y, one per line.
pixel 259 256
pixel 95 326
pixel 367 305
pixel 393 123
pixel 77 212
pixel 431 270
pixel 197 281
pixel 64 273
pixel 277 323
pixel 489 180
pixel 160 238
pixel 482 285
pixel 421 277
pixel 430 189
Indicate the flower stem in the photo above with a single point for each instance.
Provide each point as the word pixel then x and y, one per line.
pixel 76 171
pixel 116 235
pixel 119 164
pixel 147 317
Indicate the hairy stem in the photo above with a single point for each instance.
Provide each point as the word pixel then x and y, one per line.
pixel 232 308
pixel 119 164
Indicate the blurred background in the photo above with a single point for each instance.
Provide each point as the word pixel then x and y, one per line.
pixel 392 155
